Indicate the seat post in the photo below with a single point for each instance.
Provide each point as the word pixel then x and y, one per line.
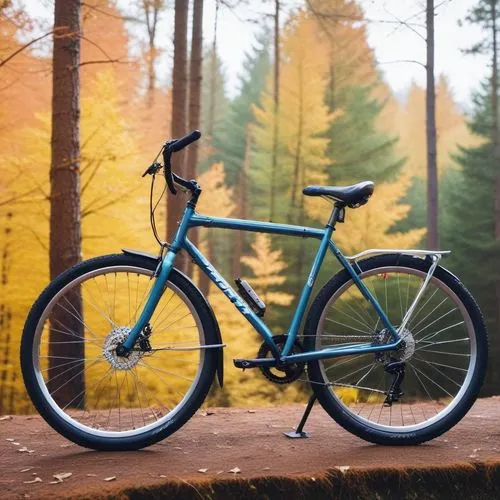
pixel 336 215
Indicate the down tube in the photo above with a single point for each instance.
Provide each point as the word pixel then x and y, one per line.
pixel 228 291
pixel 306 291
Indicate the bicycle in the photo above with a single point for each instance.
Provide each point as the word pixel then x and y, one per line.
pixel 120 351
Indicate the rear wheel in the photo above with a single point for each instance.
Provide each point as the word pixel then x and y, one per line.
pixel 441 363
pixel 88 393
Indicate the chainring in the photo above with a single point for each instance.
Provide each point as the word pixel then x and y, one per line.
pixel 284 374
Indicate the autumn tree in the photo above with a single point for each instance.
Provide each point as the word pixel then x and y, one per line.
pixel 216 200
pixel 267 278
pixel 372 225
pixel 249 387
pixel 65 230
pixel 179 115
pixel 430 130
pixel 473 226
pixel 304 120
pixel 195 76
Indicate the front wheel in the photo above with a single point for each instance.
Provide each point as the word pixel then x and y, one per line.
pixel 74 376
pixel 441 362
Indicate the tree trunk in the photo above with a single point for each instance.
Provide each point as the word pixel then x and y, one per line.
pixel 430 96
pixel 204 280
pixel 195 77
pixel 292 212
pixel 151 11
pixel 175 204
pixel 274 154
pixel 242 205
pixel 495 138
pixel 65 233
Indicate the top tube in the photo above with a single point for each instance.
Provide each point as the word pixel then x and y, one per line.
pixel 197 220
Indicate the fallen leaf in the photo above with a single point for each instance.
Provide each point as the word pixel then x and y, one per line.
pixel 313 479
pixel 91 475
pixel 111 478
pixel 35 480
pixel 65 445
pixel 10 439
pixel 473 456
pixel 266 468
pixel 23 449
pixel 235 470
pixel 162 475
pixel 343 468
pixel 202 470
pixel 177 448
pixel 6 417
pixel 61 476
pixel 206 413
pixel 251 411
pixel 16 443
pixel 27 469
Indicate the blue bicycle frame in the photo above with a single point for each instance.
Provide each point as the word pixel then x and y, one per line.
pixel 190 219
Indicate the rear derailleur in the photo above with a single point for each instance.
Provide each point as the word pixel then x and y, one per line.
pixel 397 370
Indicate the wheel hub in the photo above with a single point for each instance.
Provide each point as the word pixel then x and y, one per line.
pixel 118 335
pixel 403 352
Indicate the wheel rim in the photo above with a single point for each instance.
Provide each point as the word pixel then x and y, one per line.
pixel 441 329
pixel 147 389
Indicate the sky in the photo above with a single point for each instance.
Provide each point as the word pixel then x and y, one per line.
pixel 391 41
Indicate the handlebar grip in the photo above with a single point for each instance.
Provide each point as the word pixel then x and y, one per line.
pixel 185 141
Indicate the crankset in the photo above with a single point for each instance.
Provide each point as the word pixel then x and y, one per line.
pixel 283 374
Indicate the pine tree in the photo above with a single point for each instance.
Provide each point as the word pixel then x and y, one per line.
pixel 303 120
pixel 372 225
pixel 359 151
pixel 214 109
pixel 469 222
pixel 65 228
pixel 231 151
pixel 216 200
pixel 267 266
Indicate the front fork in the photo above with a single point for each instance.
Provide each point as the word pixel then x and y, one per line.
pixel 161 278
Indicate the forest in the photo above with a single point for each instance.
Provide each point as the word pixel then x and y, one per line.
pixel 311 107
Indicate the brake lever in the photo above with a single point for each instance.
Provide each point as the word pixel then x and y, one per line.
pixel 152 169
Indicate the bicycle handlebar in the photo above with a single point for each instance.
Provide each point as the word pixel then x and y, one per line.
pixel 174 146
pixel 184 141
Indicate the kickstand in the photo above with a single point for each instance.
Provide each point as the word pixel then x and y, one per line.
pixel 299 433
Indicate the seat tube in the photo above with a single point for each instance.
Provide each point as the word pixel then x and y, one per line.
pixel 161 279
pixel 307 290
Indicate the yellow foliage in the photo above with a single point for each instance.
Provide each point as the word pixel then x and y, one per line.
pixel 451 129
pixel 249 387
pixel 217 198
pixel 267 267
pixel 303 117
pixel 114 201
pixel 370 225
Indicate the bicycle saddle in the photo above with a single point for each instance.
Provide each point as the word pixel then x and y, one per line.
pixel 352 196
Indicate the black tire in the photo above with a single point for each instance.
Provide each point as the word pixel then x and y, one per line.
pixel 339 411
pixel 200 388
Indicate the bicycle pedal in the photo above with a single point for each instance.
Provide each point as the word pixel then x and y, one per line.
pixel 253 363
pixel 249 295
pixel 244 363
